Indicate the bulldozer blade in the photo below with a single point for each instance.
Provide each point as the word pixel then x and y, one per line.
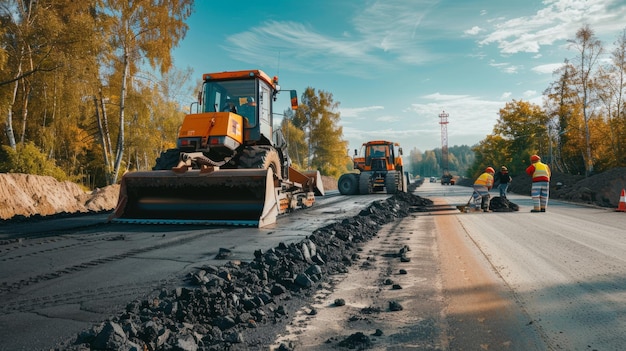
pixel 225 197
pixel 311 179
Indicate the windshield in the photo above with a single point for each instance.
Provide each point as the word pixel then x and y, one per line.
pixel 378 151
pixel 231 96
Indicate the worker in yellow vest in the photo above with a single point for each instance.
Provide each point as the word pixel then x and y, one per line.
pixel 482 185
pixel 540 190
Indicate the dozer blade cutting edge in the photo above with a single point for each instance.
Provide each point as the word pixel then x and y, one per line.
pixel 228 196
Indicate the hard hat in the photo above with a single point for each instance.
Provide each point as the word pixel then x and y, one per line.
pixel 490 170
pixel 503 168
pixel 534 158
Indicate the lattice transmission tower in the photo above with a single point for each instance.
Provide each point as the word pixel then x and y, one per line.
pixel 443 120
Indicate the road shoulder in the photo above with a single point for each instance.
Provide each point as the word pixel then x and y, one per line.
pixel 482 312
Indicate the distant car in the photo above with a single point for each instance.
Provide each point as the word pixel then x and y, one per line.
pixel 433 179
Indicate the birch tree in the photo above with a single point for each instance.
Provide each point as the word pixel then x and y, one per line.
pixel 317 116
pixel 142 29
pixel 611 83
pixel 589 49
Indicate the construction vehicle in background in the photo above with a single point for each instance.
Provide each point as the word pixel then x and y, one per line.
pixel 229 166
pixel 380 168
pixel 447 178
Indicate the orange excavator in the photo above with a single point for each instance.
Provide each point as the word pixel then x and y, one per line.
pixel 380 169
pixel 229 167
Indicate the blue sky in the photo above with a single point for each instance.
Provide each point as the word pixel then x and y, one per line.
pixel 395 65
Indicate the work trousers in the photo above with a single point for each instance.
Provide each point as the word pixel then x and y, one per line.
pixel 503 187
pixel 482 192
pixel 540 191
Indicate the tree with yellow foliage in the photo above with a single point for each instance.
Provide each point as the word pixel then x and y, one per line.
pixel 141 30
pixel 317 116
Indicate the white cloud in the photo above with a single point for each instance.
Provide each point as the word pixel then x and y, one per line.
pixel 498 65
pixel 444 97
pixel 506 95
pixel 309 49
pixel 529 93
pixel 357 111
pixel 388 118
pixel 473 31
pixel 558 21
pixel 505 67
pixel 547 68
pixel 512 69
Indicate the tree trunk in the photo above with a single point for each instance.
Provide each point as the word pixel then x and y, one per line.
pixel 26 93
pixel 103 143
pixel 120 137
pixel 9 123
pixel 26 96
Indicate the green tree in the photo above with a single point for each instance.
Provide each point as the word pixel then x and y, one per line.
pixel 430 165
pixel 589 48
pixel 63 67
pixel 46 77
pixel 317 117
pixel 561 106
pixel 142 29
pixel 3 52
pixel 523 129
pixel 27 50
pixel 155 119
pixel 27 158
pixel 415 159
pixel 487 154
pixel 297 147
pixel 611 84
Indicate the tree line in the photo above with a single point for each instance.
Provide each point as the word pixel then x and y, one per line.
pixel 430 164
pixel 87 88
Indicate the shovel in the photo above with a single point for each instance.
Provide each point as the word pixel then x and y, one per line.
pixel 466 207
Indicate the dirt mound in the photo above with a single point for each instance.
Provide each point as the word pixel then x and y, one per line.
pixel 28 195
pixel 329 183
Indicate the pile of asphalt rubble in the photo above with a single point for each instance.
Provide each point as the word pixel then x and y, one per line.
pixel 243 305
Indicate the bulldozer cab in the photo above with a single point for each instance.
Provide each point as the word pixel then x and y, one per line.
pixel 378 157
pixel 248 95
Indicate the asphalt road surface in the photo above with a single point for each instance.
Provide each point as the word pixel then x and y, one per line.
pixel 565 268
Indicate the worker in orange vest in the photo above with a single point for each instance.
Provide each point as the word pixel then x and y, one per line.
pixel 540 190
pixel 482 185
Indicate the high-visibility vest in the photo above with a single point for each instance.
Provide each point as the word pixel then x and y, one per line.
pixel 541 173
pixel 485 179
